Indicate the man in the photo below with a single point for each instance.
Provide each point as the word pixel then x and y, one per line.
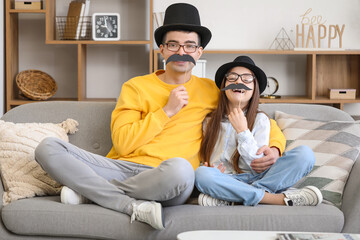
pixel 156 133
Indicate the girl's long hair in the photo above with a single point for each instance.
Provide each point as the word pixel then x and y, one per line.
pixel 213 126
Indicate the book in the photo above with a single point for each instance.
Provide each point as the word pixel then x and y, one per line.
pixel 80 22
pixel 317 236
pixel 85 22
pixel 72 27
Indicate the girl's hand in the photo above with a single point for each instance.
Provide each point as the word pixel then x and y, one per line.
pixel 238 120
pixel 220 167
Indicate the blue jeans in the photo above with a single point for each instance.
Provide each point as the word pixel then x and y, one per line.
pixel 249 189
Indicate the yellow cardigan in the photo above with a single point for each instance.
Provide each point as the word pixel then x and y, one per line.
pixel 142 133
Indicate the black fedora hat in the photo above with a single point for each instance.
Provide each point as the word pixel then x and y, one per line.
pixel 242 61
pixel 182 16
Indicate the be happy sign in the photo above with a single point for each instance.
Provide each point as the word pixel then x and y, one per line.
pixel 312 31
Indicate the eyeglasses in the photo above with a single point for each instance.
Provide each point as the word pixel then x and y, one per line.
pixel 246 77
pixel 174 47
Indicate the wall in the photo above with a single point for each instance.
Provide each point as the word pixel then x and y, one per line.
pixel 239 24
pixel 2 72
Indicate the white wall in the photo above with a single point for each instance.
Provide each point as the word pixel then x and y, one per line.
pixel 2 72
pixel 243 24
pixel 239 24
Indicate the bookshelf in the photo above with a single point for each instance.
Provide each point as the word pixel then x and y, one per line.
pixel 135 37
pixel 323 70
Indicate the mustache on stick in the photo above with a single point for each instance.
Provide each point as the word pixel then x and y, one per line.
pixel 236 86
pixel 180 58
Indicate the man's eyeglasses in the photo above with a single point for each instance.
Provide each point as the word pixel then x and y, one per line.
pixel 174 47
pixel 246 77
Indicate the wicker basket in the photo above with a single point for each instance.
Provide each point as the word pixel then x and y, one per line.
pixel 74 28
pixel 36 85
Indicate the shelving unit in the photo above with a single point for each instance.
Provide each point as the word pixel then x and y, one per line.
pixel 324 70
pixel 14 98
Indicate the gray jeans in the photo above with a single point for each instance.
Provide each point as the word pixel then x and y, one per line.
pixel 115 184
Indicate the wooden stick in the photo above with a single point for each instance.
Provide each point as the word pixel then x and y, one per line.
pixel 186 71
pixel 240 101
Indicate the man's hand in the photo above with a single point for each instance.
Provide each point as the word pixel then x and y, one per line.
pixel 178 99
pixel 271 155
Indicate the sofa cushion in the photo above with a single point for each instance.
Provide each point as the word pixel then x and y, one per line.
pixel 22 176
pixel 263 217
pixel 47 216
pixel 94 120
pixel 336 145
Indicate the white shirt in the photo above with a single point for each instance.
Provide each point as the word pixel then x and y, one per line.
pixel 246 143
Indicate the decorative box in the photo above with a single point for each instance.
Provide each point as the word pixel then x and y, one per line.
pixel 342 93
pixel 34 4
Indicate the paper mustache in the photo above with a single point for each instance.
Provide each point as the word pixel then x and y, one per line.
pixel 236 86
pixel 180 58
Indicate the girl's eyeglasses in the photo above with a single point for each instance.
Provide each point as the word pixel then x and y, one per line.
pixel 246 77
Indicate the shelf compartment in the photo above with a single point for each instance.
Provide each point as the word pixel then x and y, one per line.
pixel 11 7
pixel 135 12
pixel 33 53
pixel 323 70
pixel 337 71
pixel 109 66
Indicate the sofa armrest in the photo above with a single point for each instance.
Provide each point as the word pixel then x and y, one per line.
pixel 351 201
pixel 1 192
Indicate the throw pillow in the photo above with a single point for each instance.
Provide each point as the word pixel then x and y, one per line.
pixel 21 175
pixel 336 146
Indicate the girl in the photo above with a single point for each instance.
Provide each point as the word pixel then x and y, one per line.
pixel 232 135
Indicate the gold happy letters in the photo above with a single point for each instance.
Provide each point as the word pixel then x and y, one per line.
pixel 308 24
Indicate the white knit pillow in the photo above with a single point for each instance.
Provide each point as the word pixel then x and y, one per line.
pixel 22 176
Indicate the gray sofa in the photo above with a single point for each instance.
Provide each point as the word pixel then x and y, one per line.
pixel 47 218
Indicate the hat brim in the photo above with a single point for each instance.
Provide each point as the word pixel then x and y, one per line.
pixel 204 32
pixel 259 74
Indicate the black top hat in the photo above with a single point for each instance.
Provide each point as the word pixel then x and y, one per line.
pixel 242 61
pixel 182 16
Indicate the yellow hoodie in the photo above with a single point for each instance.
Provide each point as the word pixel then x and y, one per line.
pixel 141 131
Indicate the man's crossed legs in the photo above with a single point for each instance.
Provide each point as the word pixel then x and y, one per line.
pixel 134 189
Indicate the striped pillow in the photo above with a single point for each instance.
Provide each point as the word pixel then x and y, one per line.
pixel 336 145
